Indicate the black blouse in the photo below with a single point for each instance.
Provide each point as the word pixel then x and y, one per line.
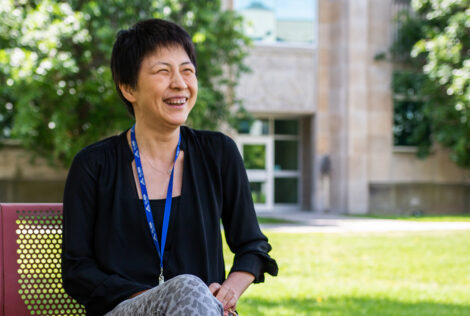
pixel 108 253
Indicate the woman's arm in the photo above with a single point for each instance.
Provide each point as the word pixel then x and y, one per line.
pixel 242 231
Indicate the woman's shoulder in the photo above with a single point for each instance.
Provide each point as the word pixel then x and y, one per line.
pixel 215 139
pixel 98 150
pixel 213 146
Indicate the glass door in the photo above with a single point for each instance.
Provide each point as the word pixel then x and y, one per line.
pixel 287 163
pixel 257 153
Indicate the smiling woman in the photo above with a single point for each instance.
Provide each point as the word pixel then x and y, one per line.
pixel 142 210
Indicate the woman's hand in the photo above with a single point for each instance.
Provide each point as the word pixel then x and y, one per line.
pixel 225 295
pixel 136 294
pixel 230 291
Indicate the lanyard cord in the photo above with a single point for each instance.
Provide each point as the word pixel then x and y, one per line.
pixel 148 209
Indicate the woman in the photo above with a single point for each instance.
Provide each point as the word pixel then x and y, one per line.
pixel 142 210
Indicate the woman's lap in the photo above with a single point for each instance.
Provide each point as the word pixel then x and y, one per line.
pixel 182 295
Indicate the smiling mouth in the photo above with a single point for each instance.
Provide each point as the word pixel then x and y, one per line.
pixel 176 101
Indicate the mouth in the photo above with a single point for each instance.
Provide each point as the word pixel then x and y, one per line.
pixel 178 101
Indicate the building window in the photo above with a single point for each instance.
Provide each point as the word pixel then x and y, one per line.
pixel 254 156
pixel 286 190
pixel 255 128
pixel 278 21
pixel 258 192
pixel 411 127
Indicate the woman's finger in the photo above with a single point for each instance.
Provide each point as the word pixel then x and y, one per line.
pixel 227 297
pixel 222 295
pixel 232 302
pixel 214 287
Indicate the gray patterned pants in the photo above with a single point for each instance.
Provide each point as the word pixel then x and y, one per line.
pixel 182 295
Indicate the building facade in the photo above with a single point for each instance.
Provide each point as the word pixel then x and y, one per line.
pixel 321 139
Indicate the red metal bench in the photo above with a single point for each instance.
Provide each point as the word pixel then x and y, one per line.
pixel 30 249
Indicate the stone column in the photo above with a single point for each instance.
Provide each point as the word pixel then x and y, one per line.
pixel 321 120
pixel 331 123
pixel 326 52
pixel 357 108
pixel 341 124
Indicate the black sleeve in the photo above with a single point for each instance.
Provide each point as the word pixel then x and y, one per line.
pixel 242 231
pixel 81 275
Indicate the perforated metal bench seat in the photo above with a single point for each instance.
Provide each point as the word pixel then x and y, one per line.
pixel 30 249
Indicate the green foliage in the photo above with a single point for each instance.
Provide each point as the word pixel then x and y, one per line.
pixel 54 59
pixel 435 40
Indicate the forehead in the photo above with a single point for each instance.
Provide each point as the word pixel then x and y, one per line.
pixel 166 54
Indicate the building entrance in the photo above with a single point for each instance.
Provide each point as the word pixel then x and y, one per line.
pixel 271 153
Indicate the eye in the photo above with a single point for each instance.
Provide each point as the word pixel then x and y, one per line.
pixel 162 71
pixel 188 70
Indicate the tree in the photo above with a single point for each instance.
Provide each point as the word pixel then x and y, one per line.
pixel 434 53
pixel 54 59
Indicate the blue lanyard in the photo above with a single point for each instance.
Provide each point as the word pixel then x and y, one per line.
pixel 148 209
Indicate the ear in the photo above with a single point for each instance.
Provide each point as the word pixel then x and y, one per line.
pixel 128 92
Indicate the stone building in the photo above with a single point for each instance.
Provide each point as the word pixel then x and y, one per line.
pixel 324 111
pixel 322 136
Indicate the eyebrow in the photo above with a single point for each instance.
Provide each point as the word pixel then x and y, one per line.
pixel 167 64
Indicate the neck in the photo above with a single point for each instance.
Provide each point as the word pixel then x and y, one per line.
pixel 157 143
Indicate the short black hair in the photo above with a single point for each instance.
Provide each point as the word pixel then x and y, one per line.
pixel 133 45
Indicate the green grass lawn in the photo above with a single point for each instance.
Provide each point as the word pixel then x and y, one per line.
pixel 364 274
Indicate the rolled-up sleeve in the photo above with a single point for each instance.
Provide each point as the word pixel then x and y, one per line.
pixel 242 230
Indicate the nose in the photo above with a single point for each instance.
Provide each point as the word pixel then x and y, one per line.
pixel 177 81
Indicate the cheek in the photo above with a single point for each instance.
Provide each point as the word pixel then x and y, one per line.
pixel 194 87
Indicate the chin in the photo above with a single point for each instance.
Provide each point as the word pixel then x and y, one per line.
pixel 178 122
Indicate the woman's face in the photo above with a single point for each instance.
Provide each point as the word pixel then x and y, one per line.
pixel 166 88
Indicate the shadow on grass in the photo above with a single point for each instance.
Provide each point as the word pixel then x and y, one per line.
pixel 348 306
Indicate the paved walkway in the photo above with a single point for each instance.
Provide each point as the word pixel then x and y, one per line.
pixel 316 222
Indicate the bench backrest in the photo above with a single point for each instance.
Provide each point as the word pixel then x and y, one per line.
pixel 30 263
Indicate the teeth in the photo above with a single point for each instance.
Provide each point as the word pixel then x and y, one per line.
pixel 176 101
